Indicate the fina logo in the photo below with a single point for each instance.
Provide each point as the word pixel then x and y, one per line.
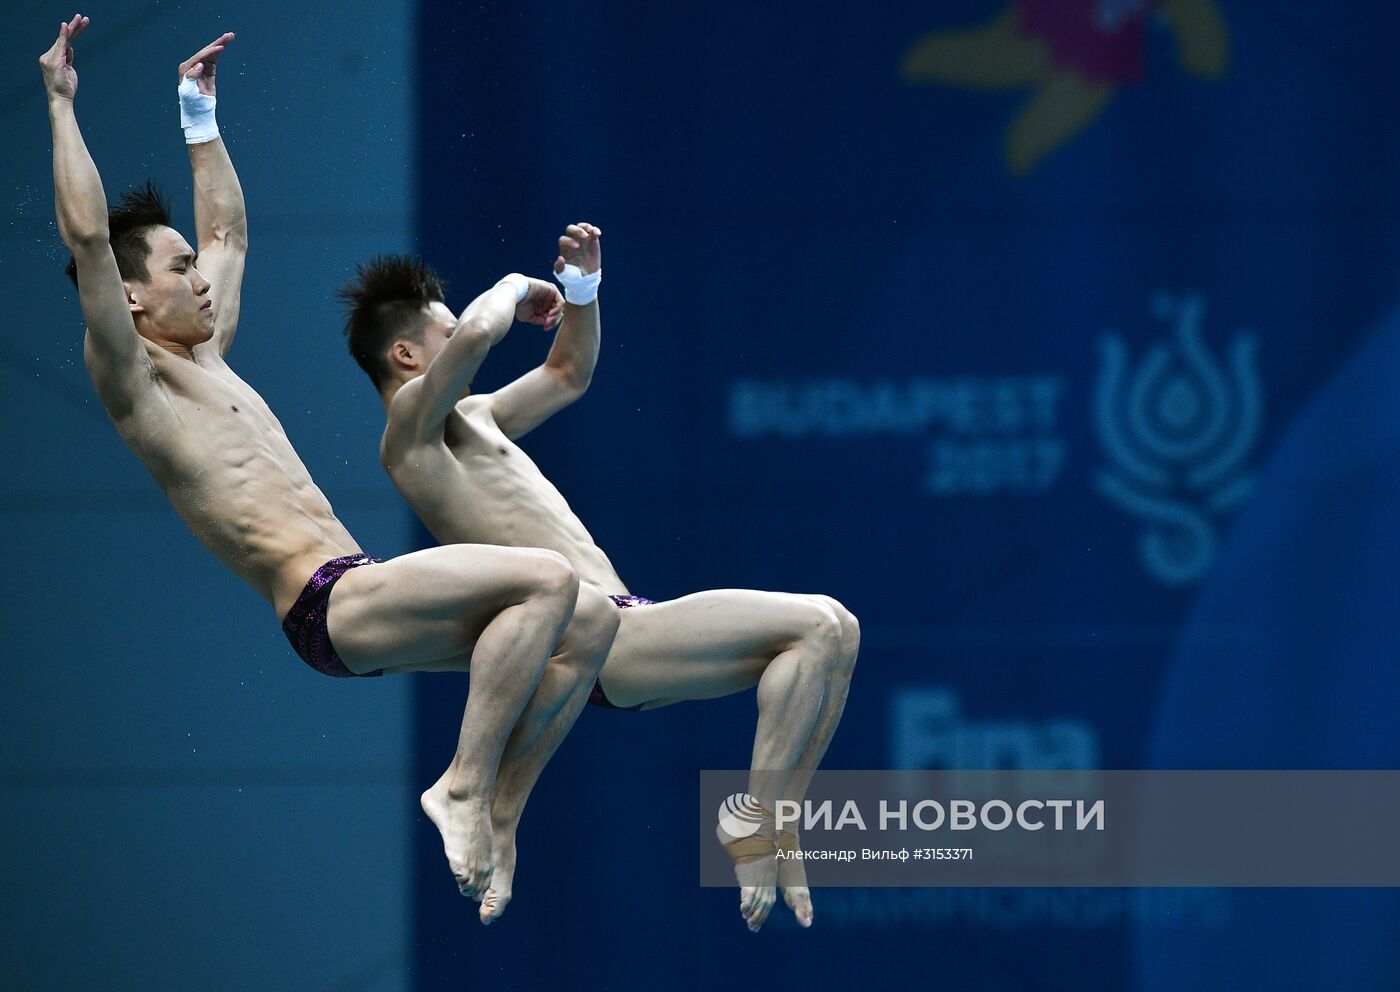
pixel 929 730
pixel 1178 432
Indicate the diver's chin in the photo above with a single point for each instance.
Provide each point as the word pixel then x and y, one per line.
pixel 201 333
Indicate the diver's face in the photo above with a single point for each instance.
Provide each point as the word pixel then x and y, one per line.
pixel 173 305
pixel 436 333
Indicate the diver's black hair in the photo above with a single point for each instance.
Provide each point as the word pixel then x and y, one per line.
pixel 383 303
pixel 128 224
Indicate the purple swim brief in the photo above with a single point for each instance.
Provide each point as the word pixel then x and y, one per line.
pixel 597 697
pixel 305 623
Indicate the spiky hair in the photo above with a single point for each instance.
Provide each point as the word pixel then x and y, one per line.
pixel 128 224
pixel 383 303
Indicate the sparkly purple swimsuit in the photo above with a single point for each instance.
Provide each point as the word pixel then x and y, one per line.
pixel 597 697
pixel 305 623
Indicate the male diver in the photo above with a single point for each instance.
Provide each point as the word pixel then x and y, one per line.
pixel 160 317
pixel 453 456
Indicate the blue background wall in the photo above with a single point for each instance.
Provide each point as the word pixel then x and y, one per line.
pixel 847 350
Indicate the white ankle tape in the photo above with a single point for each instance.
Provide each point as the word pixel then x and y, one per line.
pixel 197 114
pixel 579 289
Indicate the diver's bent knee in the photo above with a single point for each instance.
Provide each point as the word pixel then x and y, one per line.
pixel 821 631
pixel 550 574
pixel 596 618
pixel 850 627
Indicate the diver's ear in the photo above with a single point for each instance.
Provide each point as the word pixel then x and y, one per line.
pixel 402 354
pixel 133 304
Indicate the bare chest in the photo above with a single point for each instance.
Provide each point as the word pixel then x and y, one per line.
pixel 473 434
pixel 218 394
pixel 207 417
pixel 475 469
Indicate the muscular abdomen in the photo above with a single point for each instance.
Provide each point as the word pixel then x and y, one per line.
pixel 480 488
pixel 228 469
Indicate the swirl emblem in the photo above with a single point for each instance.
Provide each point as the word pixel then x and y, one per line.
pixel 740 816
pixel 1178 432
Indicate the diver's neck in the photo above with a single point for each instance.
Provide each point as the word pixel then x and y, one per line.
pixel 388 393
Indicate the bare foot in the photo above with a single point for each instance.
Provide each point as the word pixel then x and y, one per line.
pixel 792 876
pixel 756 868
pixel 465 825
pixel 799 900
pixel 755 903
pixel 495 899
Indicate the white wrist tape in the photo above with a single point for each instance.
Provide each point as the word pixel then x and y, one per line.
pixel 519 283
pixel 197 114
pixel 579 289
